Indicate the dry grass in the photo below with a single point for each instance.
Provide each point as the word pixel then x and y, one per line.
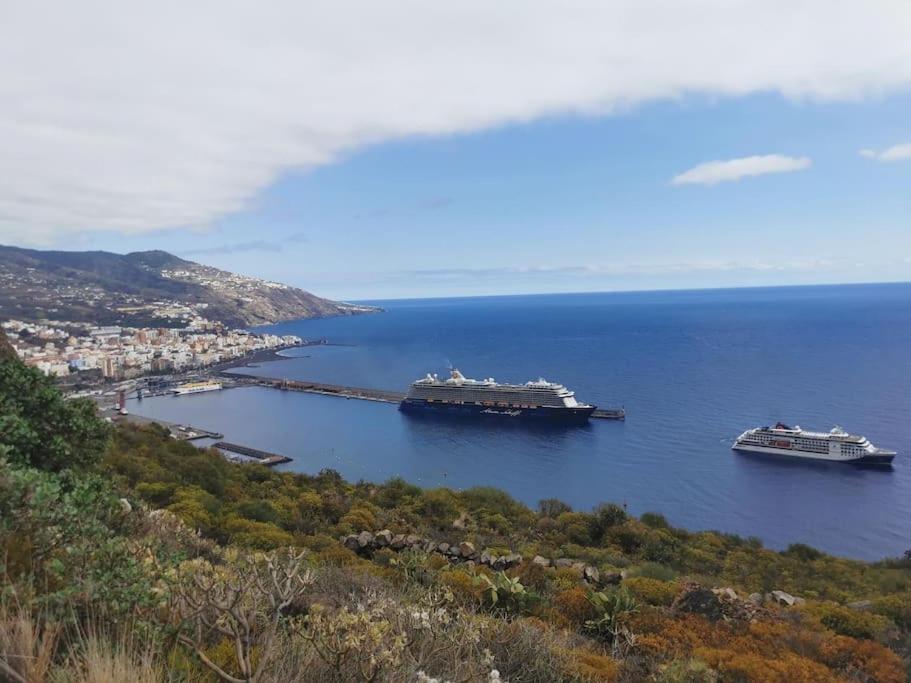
pixel 27 647
pixel 99 659
pixel 31 652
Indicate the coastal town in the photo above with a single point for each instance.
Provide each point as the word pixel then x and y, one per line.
pixel 86 353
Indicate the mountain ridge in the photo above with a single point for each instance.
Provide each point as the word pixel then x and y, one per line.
pixel 107 288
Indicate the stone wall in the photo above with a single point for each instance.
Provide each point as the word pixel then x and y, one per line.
pixel 366 543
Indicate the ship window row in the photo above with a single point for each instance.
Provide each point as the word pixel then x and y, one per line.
pixel 493 389
pixel 498 397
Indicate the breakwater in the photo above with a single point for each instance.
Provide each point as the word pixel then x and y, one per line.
pixel 252 454
pixel 181 432
pixel 363 393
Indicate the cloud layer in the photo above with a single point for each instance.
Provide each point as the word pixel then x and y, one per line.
pixel 894 153
pixel 276 246
pixel 144 116
pixel 713 172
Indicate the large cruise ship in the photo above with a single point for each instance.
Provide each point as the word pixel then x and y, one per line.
pixel 196 387
pixel 836 445
pixel 458 395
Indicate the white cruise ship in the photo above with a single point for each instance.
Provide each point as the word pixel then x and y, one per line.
pixel 836 445
pixel 196 387
pixel 458 395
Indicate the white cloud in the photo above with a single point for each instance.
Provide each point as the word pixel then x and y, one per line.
pixel 713 172
pixel 139 116
pixel 894 153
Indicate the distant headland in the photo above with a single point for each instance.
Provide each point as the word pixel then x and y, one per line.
pixel 146 289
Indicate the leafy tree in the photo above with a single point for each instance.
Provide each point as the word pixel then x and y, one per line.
pixel 7 352
pixel 38 428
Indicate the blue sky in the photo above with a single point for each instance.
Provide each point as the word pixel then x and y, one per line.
pixel 468 149
pixel 577 203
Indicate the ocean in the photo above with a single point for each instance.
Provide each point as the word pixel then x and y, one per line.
pixel 692 368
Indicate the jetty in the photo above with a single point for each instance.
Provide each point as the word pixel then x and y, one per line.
pixel 363 393
pixel 189 433
pixel 181 432
pixel 252 454
pixel 342 391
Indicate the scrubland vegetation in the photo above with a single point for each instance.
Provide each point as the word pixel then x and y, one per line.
pixel 128 556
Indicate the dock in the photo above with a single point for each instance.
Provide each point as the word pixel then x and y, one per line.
pixel 253 454
pixel 364 393
pixel 342 391
pixel 180 432
pixel 188 433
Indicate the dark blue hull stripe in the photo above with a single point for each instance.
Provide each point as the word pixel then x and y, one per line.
pixel 539 413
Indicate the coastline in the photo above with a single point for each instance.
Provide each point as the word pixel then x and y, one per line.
pixel 265 356
pixel 260 356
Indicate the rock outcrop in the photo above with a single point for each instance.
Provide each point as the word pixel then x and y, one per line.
pixel 735 608
pixel 786 599
pixel 699 600
pixel 717 603
pixel 366 543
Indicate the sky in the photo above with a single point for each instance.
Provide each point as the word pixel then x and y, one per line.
pixel 367 150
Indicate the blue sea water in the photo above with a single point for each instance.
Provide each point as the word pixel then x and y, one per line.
pixel 693 369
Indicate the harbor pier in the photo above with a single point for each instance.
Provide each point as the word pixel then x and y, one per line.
pixel 252 454
pixel 363 393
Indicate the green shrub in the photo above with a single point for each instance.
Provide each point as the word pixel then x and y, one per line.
pixel 257 510
pixel 66 538
pixel 802 552
pixel 662 548
pixel 849 622
pixel 652 591
pixel 654 520
pixel 605 517
pixel 896 607
pixel 157 493
pixel 38 428
pixel 552 507
pixel 612 609
pixel 357 519
pixel 396 492
pixel 575 527
pixel 257 535
pixel 653 570
pixel 503 592
pixel 690 670
pixel 439 507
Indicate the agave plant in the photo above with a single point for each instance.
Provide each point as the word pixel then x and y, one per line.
pixel 611 607
pixel 502 588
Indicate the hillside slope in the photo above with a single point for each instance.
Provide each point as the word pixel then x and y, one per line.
pixel 107 288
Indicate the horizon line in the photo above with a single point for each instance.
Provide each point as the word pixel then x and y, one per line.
pixel 635 291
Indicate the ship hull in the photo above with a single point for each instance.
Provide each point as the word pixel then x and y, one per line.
pixel 877 459
pixel 187 392
pixel 577 415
